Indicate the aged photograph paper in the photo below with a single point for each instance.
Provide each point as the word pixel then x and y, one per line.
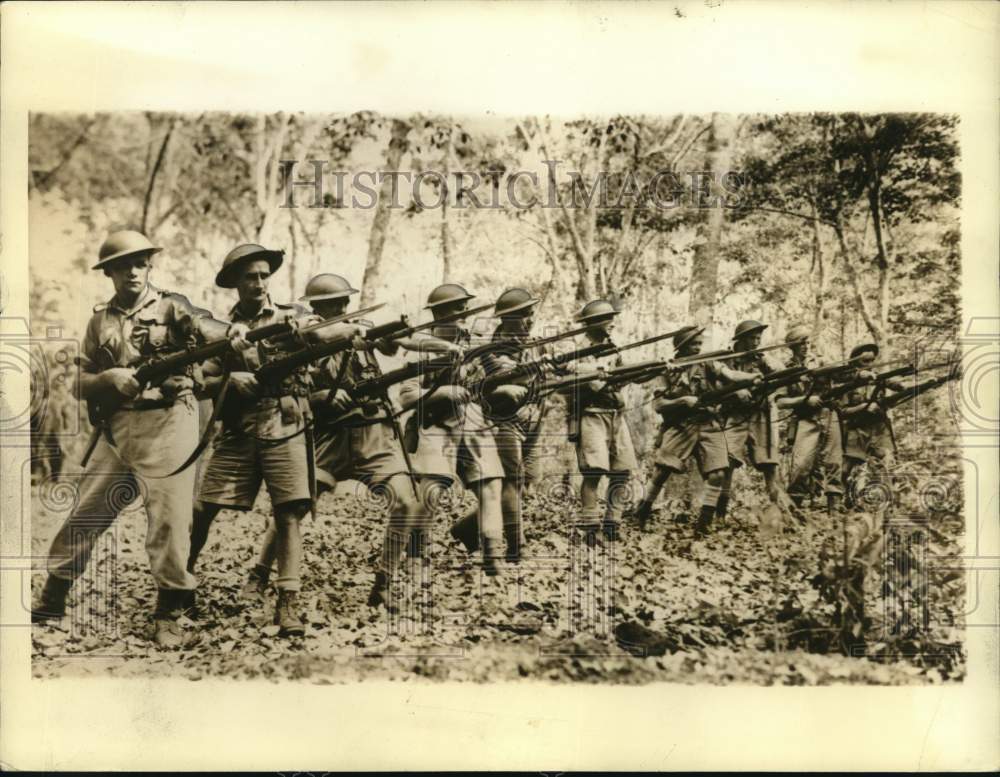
pixel 499 419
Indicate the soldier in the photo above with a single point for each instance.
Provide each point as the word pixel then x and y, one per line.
pixel 265 436
pixel 600 431
pixel 516 433
pixel 751 429
pixel 868 434
pixel 356 437
pixel 145 440
pixel 814 429
pixel 451 440
pixel 697 433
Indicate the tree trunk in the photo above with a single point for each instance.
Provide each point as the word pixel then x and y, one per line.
pixel 705 267
pixel 820 275
pixel 446 243
pixel 147 201
pixel 380 223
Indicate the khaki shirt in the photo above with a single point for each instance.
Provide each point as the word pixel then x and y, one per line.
pixel 160 321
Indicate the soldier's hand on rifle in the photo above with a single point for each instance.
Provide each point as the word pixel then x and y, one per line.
pixel 873 407
pixel 245 383
pixel 866 375
pixel 689 401
pixel 515 394
pixel 237 334
pixel 814 402
pixel 744 395
pixel 339 401
pixel 386 345
pixel 122 380
pixel 174 385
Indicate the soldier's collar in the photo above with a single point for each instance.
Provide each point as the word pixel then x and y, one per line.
pixel 266 308
pixel 149 295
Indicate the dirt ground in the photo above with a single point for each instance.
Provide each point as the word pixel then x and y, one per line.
pixel 736 607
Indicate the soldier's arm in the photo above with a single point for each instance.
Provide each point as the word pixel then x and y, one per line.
pixel 99 374
pixel 195 321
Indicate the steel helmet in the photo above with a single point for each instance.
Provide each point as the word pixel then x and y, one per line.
pixel 241 254
pixel 327 286
pixel 123 243
pixel 513 301
pixel 686 335
pixel 596 311
pixel 445 293
pixel 745 328
pixel 857 350
pixel 797 332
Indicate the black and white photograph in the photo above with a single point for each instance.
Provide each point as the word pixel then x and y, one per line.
pixel 536 400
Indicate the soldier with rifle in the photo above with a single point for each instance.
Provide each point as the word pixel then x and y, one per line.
pixel 750 423
pixel 516 423
pixel 690 428
pixel 146 423
pixel 814 426
pixel 868 430
pixel 599 429
pixel 267 435
pixel 357 436
pixel 448 436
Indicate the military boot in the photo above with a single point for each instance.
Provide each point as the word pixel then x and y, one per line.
pixel 490 554
pixel 380 593
pixel 255 586
pixel 286 615
pixel 52 603
pixel 704 520
pixel 514 539
pixel 466 531
pixel 722 506
pixel 643 513
pixel 169 607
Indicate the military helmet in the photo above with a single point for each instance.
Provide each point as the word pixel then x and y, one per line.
pixel 123 243
pixel 446 293
pixel 857 350
pixel 226 277
pixel 327 286
pixel 745 328
pixel 797 332
pixel 686 335
pixel 513 301
pixel 597 311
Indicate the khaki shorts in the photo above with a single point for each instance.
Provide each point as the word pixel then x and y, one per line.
pixel 463 449
pixel 605 444
pixel 675 445
pixel 747 439
pixel 863 442
pixel 369 453
pixel 813 461
pixel 240 462
pixel 518 454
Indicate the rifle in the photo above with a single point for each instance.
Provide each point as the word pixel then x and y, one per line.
pixel 529 369
pixel 280 367
pixel 914 391
pixel 159 366
pixel 376 386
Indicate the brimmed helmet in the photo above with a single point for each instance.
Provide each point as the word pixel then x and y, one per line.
pixel 327 286
pixel 745 328
pixel 226 277
pixel 446 293
pixel 513 301
pixel 857 350
pixel 686 335
pixel 125 242
pixel 798 332
pixel 596 311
